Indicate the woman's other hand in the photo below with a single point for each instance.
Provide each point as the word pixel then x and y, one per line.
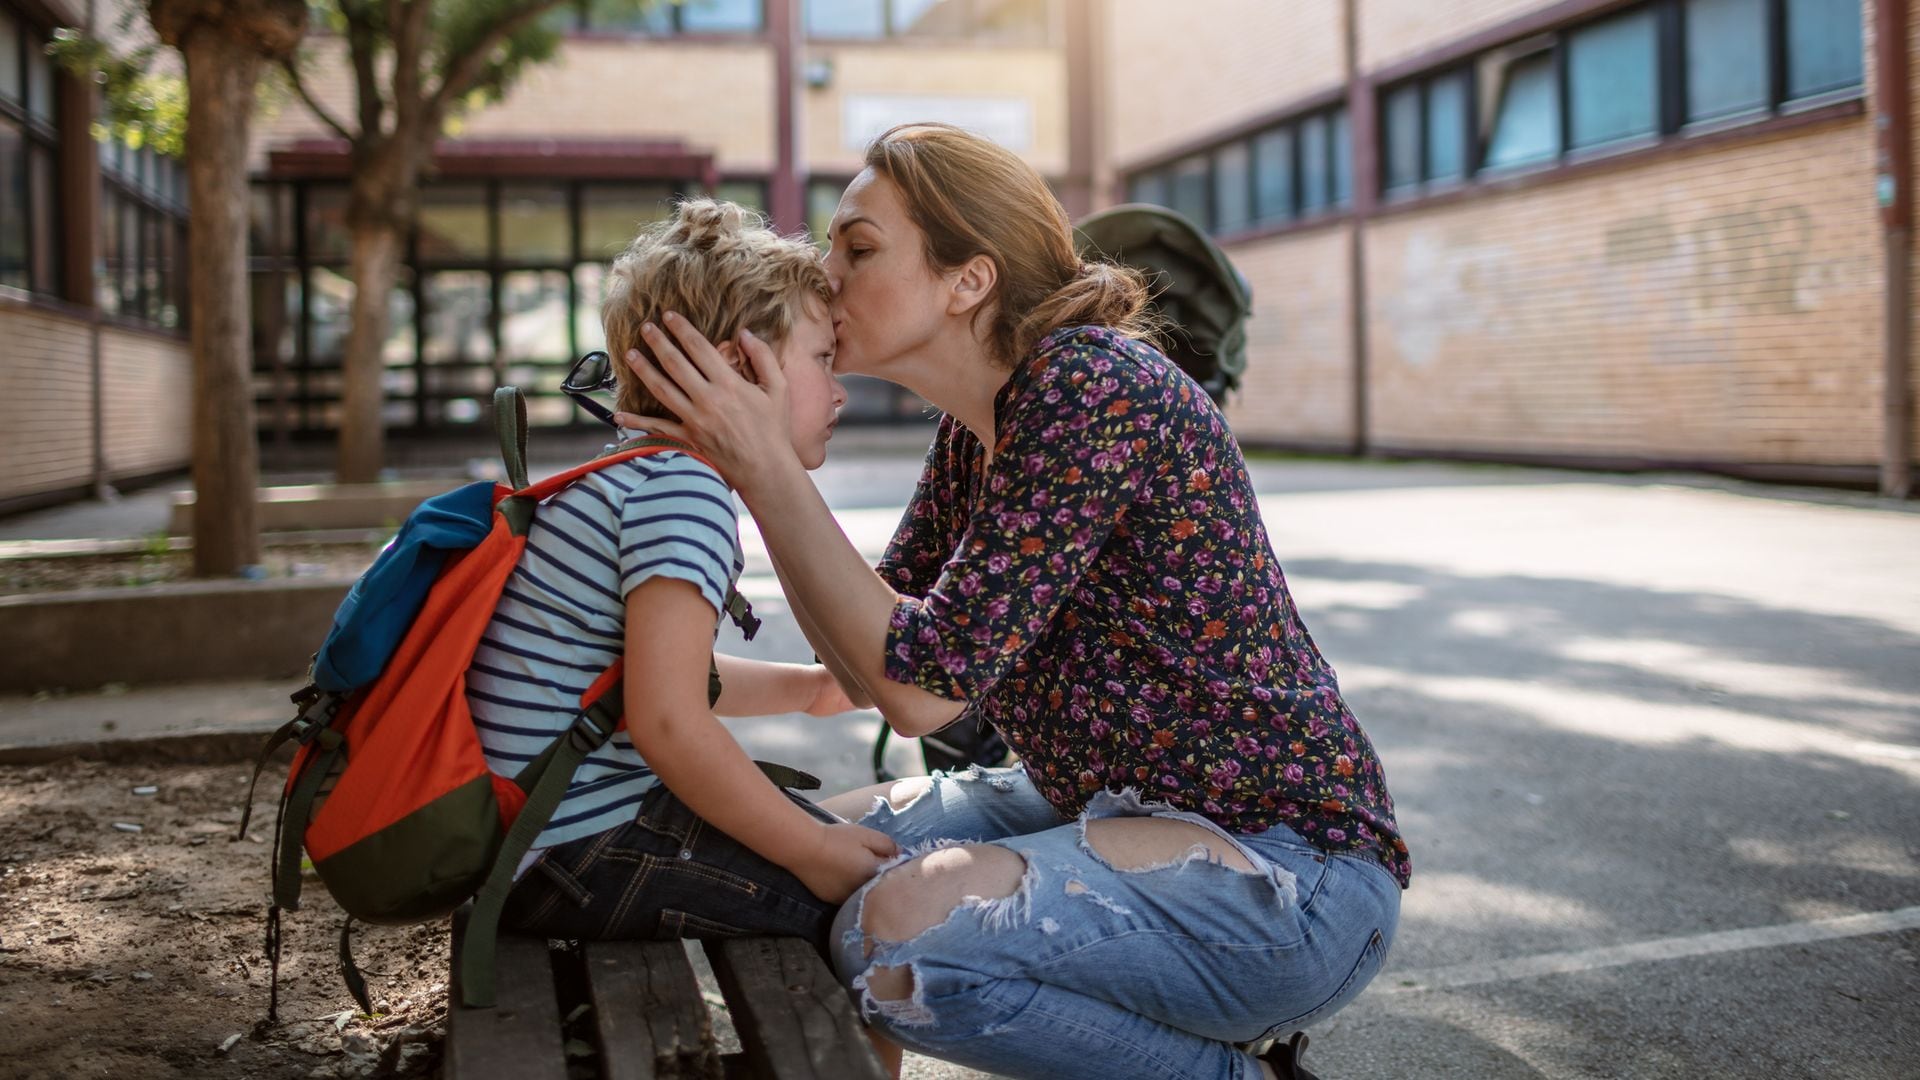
pixel 742 427
pixel 842 859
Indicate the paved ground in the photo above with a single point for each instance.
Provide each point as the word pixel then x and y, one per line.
pixel 1655 743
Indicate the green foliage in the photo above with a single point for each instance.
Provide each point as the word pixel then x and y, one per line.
pixel 140 106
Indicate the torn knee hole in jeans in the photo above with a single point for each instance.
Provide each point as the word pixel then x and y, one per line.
pixel 900 797
pixel 1204 842
pixel 892 988
pixel 895 993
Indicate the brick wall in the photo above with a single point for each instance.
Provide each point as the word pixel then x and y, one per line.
pixel 1173 73
pixel 1716 305
pixel 1298 388
pixel 1393 30
pixel 716 96
pixel 146 402
pixel 1036 75
pixel 46 402
pixel 46 430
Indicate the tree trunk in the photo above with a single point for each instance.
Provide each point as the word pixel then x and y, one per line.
pixel 221 75
pixel 224 44
pixel 379 213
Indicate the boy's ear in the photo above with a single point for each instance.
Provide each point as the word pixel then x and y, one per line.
pixel 730 352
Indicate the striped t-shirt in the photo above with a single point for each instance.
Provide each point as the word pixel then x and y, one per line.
pixel 562 618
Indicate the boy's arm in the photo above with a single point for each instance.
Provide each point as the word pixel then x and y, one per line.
pixel 765 687
pixel 668 637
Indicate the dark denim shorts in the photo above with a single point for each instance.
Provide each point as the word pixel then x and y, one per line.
pixel 665 875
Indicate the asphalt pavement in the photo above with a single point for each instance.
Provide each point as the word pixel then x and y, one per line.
pixel 1654 741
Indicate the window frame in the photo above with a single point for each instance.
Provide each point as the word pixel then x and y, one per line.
pixel 290 386
pixel 582 25
pixel 1324 117
pixel 43 272
pixel 1671 104
pixel 892 34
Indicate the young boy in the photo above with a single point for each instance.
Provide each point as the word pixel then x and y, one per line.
pixel 670 830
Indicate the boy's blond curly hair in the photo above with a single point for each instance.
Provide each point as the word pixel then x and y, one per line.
pixel 720 267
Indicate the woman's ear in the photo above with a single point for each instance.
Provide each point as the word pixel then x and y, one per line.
pixel 972 285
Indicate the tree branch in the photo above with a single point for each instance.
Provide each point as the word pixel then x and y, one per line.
pixel 362 43
pixel 461 72
pixel 408 20
pixel 292 67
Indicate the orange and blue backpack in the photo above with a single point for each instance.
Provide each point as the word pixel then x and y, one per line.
pixel 389 792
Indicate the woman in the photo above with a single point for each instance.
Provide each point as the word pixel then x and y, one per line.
pixel 1198 849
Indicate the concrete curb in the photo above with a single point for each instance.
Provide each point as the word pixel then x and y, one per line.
pixel 197 630
pixel 326 506
pixel 190 748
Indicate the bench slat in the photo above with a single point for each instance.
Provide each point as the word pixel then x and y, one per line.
pixel 652 1022
pixel 794 1019
pixel 519 1038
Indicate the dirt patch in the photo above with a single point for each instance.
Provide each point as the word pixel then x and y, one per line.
pixel 58 573
pixel 142 953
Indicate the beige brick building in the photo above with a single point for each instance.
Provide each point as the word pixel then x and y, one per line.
pixel 1606 232
pixel 1587 231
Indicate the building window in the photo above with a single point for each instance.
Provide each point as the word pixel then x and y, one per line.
pixel 502 284
pixel 1006 21
pixel 1724 40
pixel 1824 45
pixel 1273 175
pixel 143 237
pixel 1189 191
pixel 1293 169
pixel 1612 91
pixel 662 19
pixel 1447 137
pixel 1526 124
pixel 1232 187
pixel 823 198
pixel 30 249
pixel 1631 77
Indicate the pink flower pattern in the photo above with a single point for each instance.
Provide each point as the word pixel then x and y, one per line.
pixel 1105 594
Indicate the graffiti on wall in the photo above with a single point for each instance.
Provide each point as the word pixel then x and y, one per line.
pixel 1755 259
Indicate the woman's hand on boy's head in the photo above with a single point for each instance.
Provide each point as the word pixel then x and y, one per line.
pixel 741 426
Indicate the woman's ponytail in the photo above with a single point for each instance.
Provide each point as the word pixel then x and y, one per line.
pixel 1098 294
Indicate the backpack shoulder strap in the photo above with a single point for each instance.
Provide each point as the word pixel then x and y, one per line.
pixel 510 423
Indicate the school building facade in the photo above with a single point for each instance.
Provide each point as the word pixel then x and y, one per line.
pixel 1599 232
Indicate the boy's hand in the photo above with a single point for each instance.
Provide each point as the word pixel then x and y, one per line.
pixel 843 858
pixel 828 698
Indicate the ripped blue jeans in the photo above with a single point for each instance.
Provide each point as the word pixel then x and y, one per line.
pixel 1091 971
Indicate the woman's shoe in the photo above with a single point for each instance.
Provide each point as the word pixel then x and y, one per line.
pixel 1285 1059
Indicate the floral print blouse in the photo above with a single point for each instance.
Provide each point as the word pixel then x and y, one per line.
pixel 1105 595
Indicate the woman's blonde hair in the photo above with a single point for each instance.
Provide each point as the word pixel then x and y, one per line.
pixel 718 266
pixel 974 197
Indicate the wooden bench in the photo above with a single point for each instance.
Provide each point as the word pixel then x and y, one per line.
pixel 632 1010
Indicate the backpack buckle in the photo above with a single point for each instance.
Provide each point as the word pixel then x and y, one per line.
pixel 589 732
pixel 317 709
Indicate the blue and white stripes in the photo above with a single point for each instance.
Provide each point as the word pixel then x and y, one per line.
pixel 562 617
